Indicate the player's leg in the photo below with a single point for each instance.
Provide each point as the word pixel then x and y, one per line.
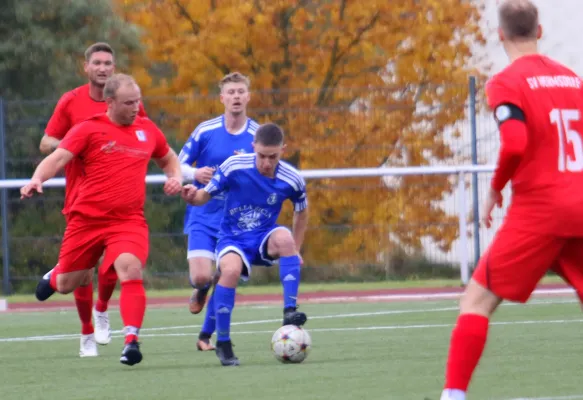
pixel 81 247
pixel 210 322
pixel 510 270
pixel 231 260
pixel 279 243
pixel 570 266
pixel 127 249
pixel 201 255
pixel 106 282
pixel 76 258
pixel 84 303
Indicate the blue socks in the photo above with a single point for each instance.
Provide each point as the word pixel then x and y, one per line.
pixel 224 304
pixel 210 322
pixel 289 276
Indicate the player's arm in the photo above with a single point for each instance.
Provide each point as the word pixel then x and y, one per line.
pixel 299 227
pixel 170 165
pixel 168 162
pixel 189 155
pixel 46 170
pixel 513 141
pixel 57 127
pixel 300 219
pixel 48 144
pixel 217 185
pixel 52 164
pixel 509 115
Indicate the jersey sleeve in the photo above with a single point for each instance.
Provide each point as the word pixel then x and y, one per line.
pixel 191 149
pixel 299 196
pixel 77 139
pixel 220 181
pixel 162 147
pixel 60 122
pixel 502 90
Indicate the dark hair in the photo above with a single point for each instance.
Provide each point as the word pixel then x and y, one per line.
pixel 97 47
pixel 519 19
pixel 269 135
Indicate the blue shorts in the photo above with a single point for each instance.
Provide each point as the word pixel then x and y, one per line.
pixel 251 249
pixel 201 242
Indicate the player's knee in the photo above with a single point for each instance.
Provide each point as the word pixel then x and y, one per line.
pixel 231 266
pixel 200 270
pixel 128 267
pixel 87 277
pixel 68 282
pixel 478 300
pixel 281 244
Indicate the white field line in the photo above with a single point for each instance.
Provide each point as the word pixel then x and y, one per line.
pixel 316 317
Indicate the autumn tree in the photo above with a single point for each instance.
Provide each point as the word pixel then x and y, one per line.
pixel 354 83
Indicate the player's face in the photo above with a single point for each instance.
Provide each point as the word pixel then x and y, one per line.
pixel 267 158
pixel 99 67
pixel 235 97
pixel 126 104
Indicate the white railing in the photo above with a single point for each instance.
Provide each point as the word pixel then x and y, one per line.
pixel 459 170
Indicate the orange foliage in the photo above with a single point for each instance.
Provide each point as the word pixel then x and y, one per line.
pixel 354 83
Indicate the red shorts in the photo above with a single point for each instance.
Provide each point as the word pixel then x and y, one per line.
pixel 517 260
pixel 86 239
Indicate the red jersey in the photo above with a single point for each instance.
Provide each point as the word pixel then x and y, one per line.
pixel 115 162
pixel 73 107
pixel 547 185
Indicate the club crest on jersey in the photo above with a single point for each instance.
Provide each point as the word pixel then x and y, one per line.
pixel 272 199
pixel 141 135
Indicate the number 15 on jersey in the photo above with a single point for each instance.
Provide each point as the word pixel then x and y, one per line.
pixel 563 119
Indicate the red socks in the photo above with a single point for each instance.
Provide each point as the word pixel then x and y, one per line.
pixel 132 303
pixel 84 301
pixel 105 288
pixel 468 340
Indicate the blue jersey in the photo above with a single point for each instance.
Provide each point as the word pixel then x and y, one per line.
pixel 209 146
pixel 253 201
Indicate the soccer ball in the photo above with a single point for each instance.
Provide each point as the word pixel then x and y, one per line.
pixel 291 344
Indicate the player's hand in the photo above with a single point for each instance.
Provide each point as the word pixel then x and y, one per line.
pixel 35 185
pixel 173 186
pixel 204 174
pixel 494 199
pixel 188 193
pixel 238 153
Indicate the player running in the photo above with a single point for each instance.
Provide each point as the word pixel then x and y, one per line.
pixel 73 107
pixel 108 211
pixel 209 145
pixel 255 187
pixel 538 105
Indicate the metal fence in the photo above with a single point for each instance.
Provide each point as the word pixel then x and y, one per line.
pixel 360 228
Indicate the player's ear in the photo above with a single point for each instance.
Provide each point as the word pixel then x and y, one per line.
pixel 539 31
pixel 85 66
pixel 500 34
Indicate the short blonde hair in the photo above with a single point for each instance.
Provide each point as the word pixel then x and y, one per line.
pixel 234 77
pixel 114 82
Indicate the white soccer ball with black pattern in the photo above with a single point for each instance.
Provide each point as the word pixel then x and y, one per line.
pixel 291 344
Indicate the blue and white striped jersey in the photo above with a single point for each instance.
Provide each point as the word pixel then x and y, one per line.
pixel 209 145
pixel 252 201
